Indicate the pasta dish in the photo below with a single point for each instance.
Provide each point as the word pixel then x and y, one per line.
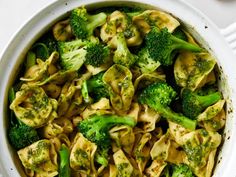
pixel 117 92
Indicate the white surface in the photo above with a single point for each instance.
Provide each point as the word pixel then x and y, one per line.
pixel 13 14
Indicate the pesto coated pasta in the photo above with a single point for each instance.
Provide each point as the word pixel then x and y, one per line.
pixel 117 92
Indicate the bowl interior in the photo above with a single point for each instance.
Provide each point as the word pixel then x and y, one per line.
pixel 44 21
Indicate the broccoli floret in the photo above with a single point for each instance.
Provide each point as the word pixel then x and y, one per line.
pixel 20 135
pixel 65 47
pixel 97 88
pixel 158 96
pixel 163 46
pixel 193 103
pixel 96 129
pixel 83 24
pixel 145 62
pixel 75 53
pixel 72 54
pixel 182 170
pixel 97 54
pixel 122 55
pixel 64 154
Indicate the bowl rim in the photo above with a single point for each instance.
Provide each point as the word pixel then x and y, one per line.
pixel 48 15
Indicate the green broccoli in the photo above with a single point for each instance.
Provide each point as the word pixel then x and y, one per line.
pixel 97 88
pixel 182 170
pixel 85 93
pixel 83 24
pixel 20 135
pixel 158 96
pixel 75 53
pixel 64 154
pixel 145 62
pixel 72 54
pixel 122 55
pixel 97 54
pixel 96 129
pixel 163 46
pixel 101 156
pixel 193 103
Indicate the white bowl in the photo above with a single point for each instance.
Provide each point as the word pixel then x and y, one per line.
pixel 201 28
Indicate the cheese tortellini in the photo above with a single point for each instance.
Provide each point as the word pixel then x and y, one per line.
pixel 41 158
pixel 33 107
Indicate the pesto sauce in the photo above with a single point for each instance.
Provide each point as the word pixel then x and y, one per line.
pixel 122 170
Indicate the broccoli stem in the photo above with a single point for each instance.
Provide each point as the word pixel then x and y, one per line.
pixel 181 44
pixel 122 55
pixel 101 160
pixel 106 122
pixel 95 21
pixel 85 92
pixel 177 118
pixel 121 42
pixel 101 156
pixel 210 99
pixel 64 154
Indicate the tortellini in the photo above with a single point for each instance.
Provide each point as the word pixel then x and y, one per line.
pixel 41 158
pixel 123 165
pixel 213 118
pixel 155 17
pixel 146 79
pixel 62 31
pixel 40 71
pixel 101 107
pixel 33 107
pixel 119 81
pixel 82 155
pixel 148 118
pixel 156 168
pixel 191 70
pixel 199 145
pixel 120 22
pixel 57 127
pixel 123 137
pixel 142 151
